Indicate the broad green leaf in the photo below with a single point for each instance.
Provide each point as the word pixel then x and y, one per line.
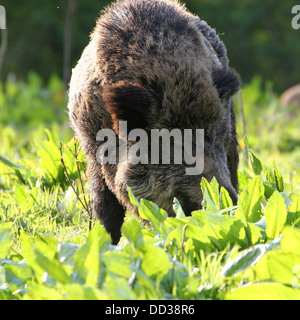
pixel 32 246
pixel 250 200
pixel 155 261
pixel 293 217
pixel 255 233
pixel 78 292
pixel 243 180
pixel 28 246
pixel 16 272
pixel 290 239
pixel 200 239
pixel 66 253
pixel 52 267
pixel 282 266
pixel 226 200
pixel 264 291
pixel 274 176
pixel 148 210
pixel 211 195
pixel 151 212
pixel 133 232
pixel 5 239
pixel 279 179
pixel 41 292
pixel 132 197
pixel 178 275
pixel 118 290
pixel 269 188
pixel 178 209
pixel 221 230
pixel 117 263
pixel 247 258
pixel 87 258
pixel 64 292
pixel 22 196
pixel 275 215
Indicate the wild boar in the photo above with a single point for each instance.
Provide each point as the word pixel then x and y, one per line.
pixel 153 65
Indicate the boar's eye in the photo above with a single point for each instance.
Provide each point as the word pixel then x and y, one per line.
pixel 226 81
pixel 128 102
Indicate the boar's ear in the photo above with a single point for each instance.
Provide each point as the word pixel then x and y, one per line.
pixel 128 102
pixel 226 81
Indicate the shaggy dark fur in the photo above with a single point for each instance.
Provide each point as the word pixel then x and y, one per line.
pixel 155 65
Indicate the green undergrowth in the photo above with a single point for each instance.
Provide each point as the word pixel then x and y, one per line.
pixel 248 251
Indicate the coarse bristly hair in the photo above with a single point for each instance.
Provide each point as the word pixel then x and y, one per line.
pixel 154 65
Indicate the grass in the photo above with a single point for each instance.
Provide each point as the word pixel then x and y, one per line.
pixel 248 251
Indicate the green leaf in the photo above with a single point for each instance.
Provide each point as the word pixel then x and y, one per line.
pixel 22 196
pixel 132 197
pixel 5 239
pixel 78 292
pixel 269 189
pixel 16 273
pixel 117 263
pixel 155 261
pixel 243 180
pixel 200 239
pixel 221 230
pixel 281 266
pixel 66 253
pixel 275 215
pixel 250 200
pixel 264 291
pixel 290 239
pixel 87 258
pixel 226 201
pixel 247 258
pixel 279 179
pixel 293 217
pixel 133 232
pixel 10 164
pixel 274 176
pixel 20 177
pixel 211 196
pixel 41 292
pixel 118 290
pixel 151 212
pixel 52 267
pixel 31 247
pixel 178 209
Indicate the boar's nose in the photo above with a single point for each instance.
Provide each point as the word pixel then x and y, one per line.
pixel 188 206
pixel 218 169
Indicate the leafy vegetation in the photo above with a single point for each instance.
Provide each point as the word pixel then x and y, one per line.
pixel 248 251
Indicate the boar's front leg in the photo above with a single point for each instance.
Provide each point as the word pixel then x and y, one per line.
pixel 105 204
